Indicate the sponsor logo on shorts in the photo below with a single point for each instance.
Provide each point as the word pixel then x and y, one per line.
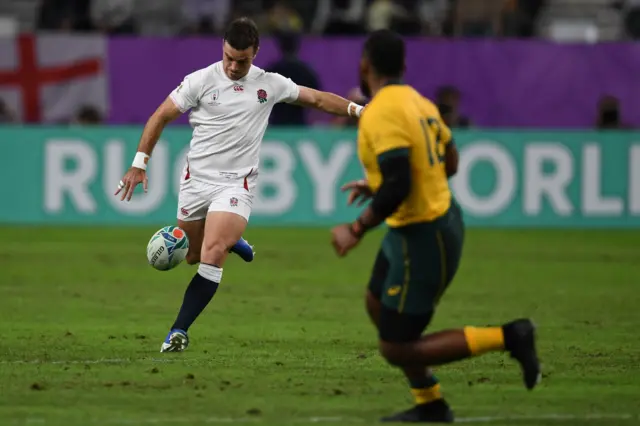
pixel 262 96
pixel 233 202
pixel 184 211
pixel 395 290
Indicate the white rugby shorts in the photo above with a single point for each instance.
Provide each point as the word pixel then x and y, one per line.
pixel 196 199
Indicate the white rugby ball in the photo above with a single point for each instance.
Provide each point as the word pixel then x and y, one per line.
pixel 167 248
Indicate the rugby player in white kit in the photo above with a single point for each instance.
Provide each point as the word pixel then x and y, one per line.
pixel 229 102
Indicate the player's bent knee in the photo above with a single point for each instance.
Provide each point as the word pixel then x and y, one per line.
pixel 393 353
pixel 214 252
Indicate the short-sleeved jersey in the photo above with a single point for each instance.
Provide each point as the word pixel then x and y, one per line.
pixel 229 119
pixel 400 121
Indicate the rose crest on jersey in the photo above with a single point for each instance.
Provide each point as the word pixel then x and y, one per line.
pixel 233 202
pixel 262 96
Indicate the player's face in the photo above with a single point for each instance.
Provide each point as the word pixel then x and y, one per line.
pixel 364 77
pixel 237 63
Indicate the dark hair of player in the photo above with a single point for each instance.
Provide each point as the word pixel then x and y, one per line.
pixel 385 51
pixel 242 34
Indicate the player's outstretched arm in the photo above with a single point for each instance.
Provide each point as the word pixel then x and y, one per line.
pixel 166 113
pixel 328 102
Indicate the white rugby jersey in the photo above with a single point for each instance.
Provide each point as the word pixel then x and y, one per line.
pixel 229 118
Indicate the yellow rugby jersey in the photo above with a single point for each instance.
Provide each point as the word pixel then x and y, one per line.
pixel 399 118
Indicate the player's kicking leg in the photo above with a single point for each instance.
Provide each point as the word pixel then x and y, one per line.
pixel 221 231
pixel 177 340
pixel 194 204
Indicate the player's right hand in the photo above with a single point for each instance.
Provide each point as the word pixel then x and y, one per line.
pixel 360 192
pixel 131 179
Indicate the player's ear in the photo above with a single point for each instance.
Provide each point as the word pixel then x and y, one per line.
pixel 256 52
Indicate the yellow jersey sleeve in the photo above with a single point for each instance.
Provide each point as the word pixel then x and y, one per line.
pixel 386 131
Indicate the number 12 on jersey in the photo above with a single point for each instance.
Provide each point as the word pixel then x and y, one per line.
pixel 433 137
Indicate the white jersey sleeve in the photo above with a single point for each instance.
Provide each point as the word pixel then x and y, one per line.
pixel 188 93
pixel 286 89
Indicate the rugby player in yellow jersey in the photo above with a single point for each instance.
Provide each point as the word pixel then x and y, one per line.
pixel 408 154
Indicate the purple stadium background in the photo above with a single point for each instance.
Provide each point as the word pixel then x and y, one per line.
pixel 504 83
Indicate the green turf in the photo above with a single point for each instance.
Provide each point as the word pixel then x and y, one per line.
pixel 286 338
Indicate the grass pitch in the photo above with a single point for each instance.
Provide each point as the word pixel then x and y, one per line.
pixel 286 339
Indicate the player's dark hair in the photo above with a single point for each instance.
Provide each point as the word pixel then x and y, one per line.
pixel 242 34
pixel 385 51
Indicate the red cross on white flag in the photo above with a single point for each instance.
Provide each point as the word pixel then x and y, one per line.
pixel 48 78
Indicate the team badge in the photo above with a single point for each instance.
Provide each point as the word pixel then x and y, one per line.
pixel 233 202
pixel 262 96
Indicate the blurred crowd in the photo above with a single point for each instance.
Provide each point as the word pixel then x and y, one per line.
pixel 329 17
pixel 584 19
pixel 572 20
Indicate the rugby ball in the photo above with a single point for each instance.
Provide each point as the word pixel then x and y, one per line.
pixel 167 248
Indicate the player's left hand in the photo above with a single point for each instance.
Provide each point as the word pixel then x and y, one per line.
pixel 343 239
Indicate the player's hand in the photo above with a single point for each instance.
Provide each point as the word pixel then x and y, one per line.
pixel 131 179
pixel 360 192
pixel 343 239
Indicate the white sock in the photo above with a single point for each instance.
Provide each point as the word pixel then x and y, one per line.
pixel 210 272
